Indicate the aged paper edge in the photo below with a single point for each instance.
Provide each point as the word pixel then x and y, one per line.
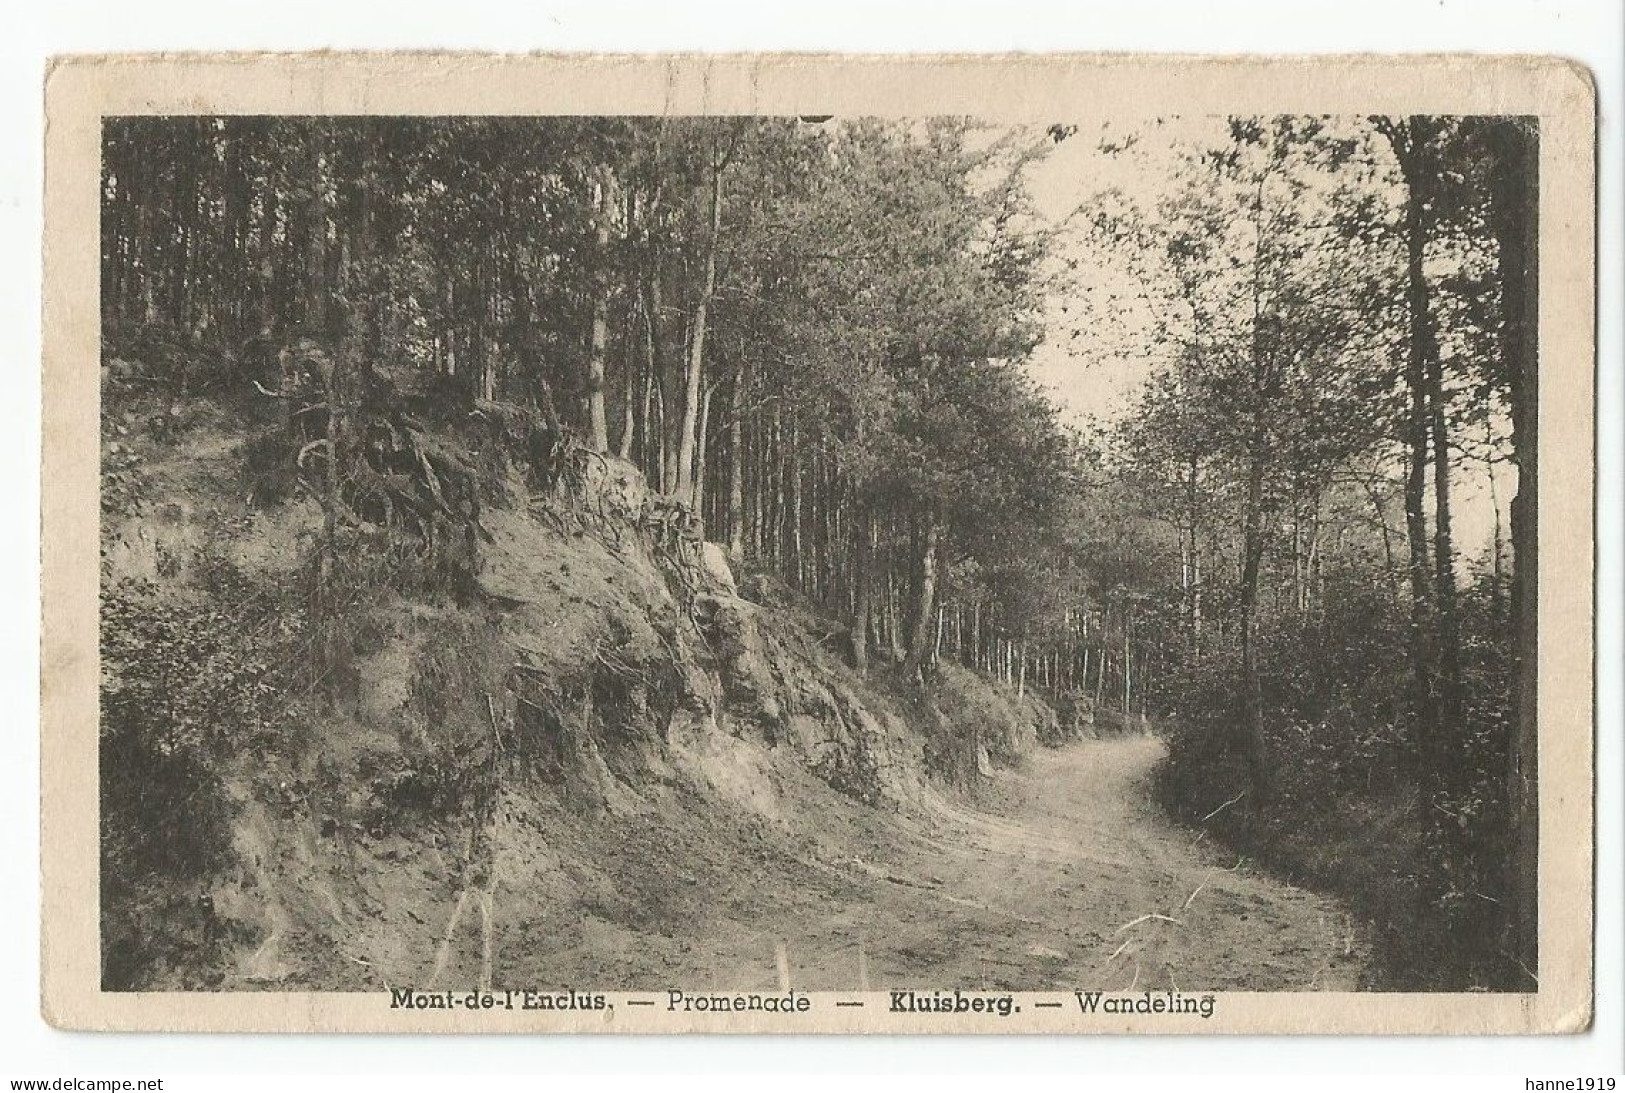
pixel 81 90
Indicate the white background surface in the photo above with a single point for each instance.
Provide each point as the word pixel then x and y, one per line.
pixel 1588 30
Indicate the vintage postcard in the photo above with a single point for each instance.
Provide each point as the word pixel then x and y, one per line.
pixel 1010 544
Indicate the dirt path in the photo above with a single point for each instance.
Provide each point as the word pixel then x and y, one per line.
pixel 1074 876
pixel 1065 874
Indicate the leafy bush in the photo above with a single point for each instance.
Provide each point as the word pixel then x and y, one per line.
pixel 123 479
pixel 178 679
pixel 1355 804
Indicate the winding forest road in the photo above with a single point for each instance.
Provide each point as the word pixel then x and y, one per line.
pixel 1075 877
pixel 1064 874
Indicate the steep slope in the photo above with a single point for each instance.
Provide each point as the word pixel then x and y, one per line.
pixel 598 765
pixel 562 770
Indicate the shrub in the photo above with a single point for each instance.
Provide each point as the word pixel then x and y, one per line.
pixel 178 679
pixel 1356 804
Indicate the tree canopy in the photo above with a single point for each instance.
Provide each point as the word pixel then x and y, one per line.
pixel 813 335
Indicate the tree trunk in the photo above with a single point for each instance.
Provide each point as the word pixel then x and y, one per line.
pixel 1497 546
pixel 698 499
pixel 629 417
pixel 1447 629
pixel 1193 564
pixel 894 629
pixel 629 385
pixel 316 242
pixel 366 258
pixel 1083 677
pixel 736 467
pixel 775 468
pixel 663 458
pixel 1252 690
pixel 1416 429
pixel 1515 189
pixel 696 345
pixel 269 299
pixel 862 597
pixel 1128 670
pixel 654 440
pixel 793 470
pixel 1100 673
pixel 646 456
pixel 337 398
pixel 232 301
pixel 920 649
pixel 597 349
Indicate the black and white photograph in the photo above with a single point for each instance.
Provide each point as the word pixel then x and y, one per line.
pixel 1076 568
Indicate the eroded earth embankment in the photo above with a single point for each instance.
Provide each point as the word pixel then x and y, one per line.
pixel 606 766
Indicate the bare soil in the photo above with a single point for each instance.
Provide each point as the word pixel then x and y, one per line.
pixel 1061 874
pixel 715 856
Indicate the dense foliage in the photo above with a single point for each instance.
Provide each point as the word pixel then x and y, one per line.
pixel 810 334
pixel 807 331
pixel 1338 348
pixel 183 688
